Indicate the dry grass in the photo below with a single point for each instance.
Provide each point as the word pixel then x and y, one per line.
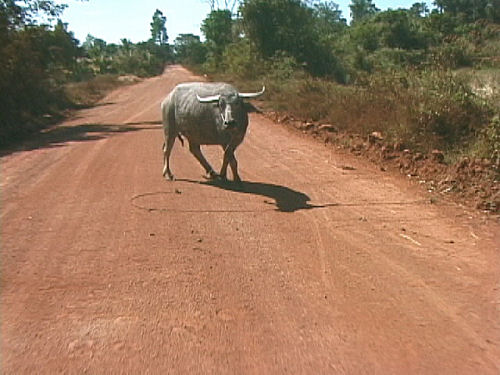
pixel 87 93
pixel 422 110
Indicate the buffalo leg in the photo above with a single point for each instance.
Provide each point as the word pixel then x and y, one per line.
pixel 231 160
pixel 167 149
pixel 195 150
pixel 225 161
pixel 234 167
pixel 169 132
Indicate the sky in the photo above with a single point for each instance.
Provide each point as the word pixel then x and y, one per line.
pixel 130 19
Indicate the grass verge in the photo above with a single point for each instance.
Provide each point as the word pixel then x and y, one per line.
pixel 439 125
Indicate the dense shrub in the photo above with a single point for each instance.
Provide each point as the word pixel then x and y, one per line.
pixel 241 60
pixel 292 27
pixel 442 111
pixel 422 109
pixel 189 50
pixel 35 62
pixel 487 144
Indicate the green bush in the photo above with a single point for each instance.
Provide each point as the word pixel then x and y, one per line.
pixel 487 144
pixel 424 109
pixel 282 67
pixel 34 64
pixel 395 58
pixel 86 93
pixel 452 54
pixel 241 60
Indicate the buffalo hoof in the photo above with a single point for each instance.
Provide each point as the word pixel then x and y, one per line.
pixel 212 176
pixel 169 176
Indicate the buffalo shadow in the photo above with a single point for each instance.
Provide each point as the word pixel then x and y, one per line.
pixel 285 199
pixel 60 135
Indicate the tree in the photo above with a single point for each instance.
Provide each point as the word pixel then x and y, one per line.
pixel 279 25
pixel 292 28
pixel 329 21
pixel 62 47
pixel 361 9
pixel 20 13
pixel 400 29
pixel 189 49
pixel 223 4
pixel 419 9
pixel 127 46
pixel 158 28
pixel 97 51
pixel 35 60
pixel 218 31
pixel 471 10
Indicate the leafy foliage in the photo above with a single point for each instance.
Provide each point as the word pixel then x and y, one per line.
pixel 35 61
pixel 158 29
pixel 217 28
pixel 271 25
pixel 241 60
pixel 362 9
pixel 471 10
pixel 488 143
pixel 400 66
pixel 189 49
pixel 38 60
pixel 393 71
pixel 142 59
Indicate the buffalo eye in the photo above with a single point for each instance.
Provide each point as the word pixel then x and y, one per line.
pixel 222 104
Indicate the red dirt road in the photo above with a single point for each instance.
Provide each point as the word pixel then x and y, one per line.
pixel 319 263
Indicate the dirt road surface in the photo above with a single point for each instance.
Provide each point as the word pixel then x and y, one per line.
pixel 318 263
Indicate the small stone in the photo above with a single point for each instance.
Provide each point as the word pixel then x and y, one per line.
pixel 307 126
pixel 348 168
pixel 463 163
pixel 284 118
pixel 437 156
pixel 486 163
pixel 375 137
pixel 418 156
pixel 72 345
pixel 328 128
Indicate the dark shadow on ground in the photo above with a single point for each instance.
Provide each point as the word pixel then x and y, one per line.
pixel 145 123
pixel 285 199
pixel 58 136
pixel 91 105
pixel 289 200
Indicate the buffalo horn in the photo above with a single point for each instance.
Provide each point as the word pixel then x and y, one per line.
pixel 252 94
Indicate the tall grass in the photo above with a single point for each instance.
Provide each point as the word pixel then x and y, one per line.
pixel 88 92
pixel 421 109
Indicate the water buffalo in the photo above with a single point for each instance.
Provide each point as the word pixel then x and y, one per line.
pixel 205 114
